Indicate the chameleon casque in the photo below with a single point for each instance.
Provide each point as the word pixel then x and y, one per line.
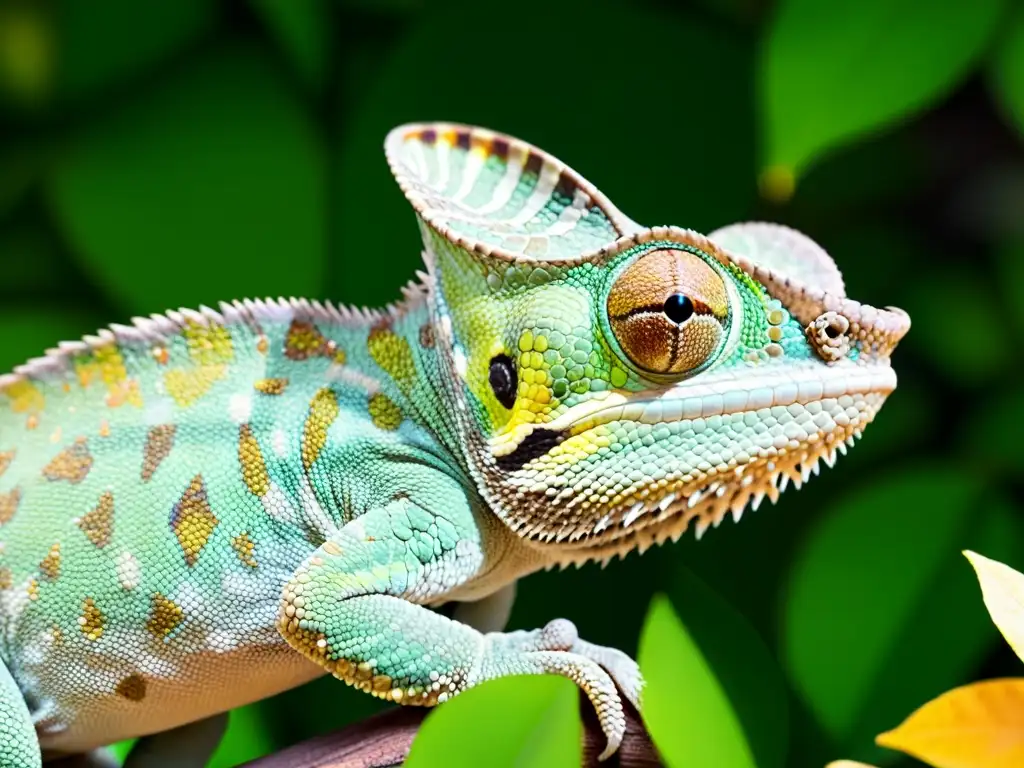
pixel 207 507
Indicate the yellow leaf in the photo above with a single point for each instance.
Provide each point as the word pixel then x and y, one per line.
pixel 977 726
pixel 848 764
pixel 1003 591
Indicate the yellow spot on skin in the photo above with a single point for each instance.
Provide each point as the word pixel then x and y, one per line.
pixel 209 343
pixel 250 457
pixel 98 524
pixel 187 385
pixel 6 458
pixel 526 341
pixel 384 413
pixel 33 589
pixel 106 365
pixel 192 520
pixel 161 355
pixel 91 621
pixel 271 386
pixel 50 565
pixel 132 688
pixel 164 616
pixel 72 464
pixel 24 397
pixel 244 547
pixel 58 636
pixel 56 435
pixel 104 428
pixel 394 355
pixel 323 410
pixel 6 579
pixel 159 442
pixel 32 422
pixel 262 345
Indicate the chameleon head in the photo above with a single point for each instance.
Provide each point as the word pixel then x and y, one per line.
pixel 616 383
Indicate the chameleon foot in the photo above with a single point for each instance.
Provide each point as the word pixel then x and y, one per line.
pixel 557 649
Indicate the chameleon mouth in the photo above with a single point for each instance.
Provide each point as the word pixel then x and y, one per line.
pixel 701 452
pixel 707 400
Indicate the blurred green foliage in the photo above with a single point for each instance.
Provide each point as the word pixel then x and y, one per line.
pixel 172 154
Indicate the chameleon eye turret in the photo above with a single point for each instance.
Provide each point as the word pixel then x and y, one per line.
pixel 669 310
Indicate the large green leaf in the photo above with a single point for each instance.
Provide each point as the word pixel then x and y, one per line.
pixel 831 72
pixel 102 44
pixel 1008 68
pixel 879 615
pixel 713 692
pixel 208 188
pixel 513 721
pixel 303 30
pixel 663 129
pixel 246 738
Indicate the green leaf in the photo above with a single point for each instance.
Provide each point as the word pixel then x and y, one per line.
pixel 666 142
pixel 1008 69
pixel 991 437
pixel 713 695
pixel 878 615
pixel 208 188
pixel 102 44
pixel 832 72
pixel 968 344
pixel 303 29
pixel 28 333
pixel 245 739
pixel 512 721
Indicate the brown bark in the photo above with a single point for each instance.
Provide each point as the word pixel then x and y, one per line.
pixel 384 740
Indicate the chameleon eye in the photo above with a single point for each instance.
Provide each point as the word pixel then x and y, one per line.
pixel 503 379
pixel 668 311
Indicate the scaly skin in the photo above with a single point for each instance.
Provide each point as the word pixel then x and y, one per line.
pixel 187 502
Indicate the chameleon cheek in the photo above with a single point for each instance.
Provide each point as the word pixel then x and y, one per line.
pixel 668 311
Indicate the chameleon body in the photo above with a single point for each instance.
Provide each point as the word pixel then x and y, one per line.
pixel 206 507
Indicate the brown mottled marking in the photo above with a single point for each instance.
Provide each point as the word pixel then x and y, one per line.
pixel 250 457
pixel 6 578
pixel 384 412
pixel 303 341
pixel 98 523
pixel 72 464
pixel 164 616
pixel 132 688
pixel 50 565
pixel 192 520
pixel 271 386
pixel 5 461
pixel 92 620
pixel 427 339
pixel 323 410
pixel 244 547
pixel 9 504
pixel 159 442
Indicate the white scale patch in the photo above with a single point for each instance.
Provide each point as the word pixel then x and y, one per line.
pixel 128 570
pixel 240 408
pixel 277 505
pixel 279 442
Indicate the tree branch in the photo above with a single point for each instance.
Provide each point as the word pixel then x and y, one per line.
pixel 384 740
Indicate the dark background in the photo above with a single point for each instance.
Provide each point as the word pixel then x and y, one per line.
pixel 156 155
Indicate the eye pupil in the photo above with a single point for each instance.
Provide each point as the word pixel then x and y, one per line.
pixel 678 308
pixel 503 380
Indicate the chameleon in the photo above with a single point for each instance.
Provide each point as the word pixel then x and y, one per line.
pixel 203 508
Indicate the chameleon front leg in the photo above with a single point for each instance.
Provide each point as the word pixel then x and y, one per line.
pixel 353 607
pixel 19 747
